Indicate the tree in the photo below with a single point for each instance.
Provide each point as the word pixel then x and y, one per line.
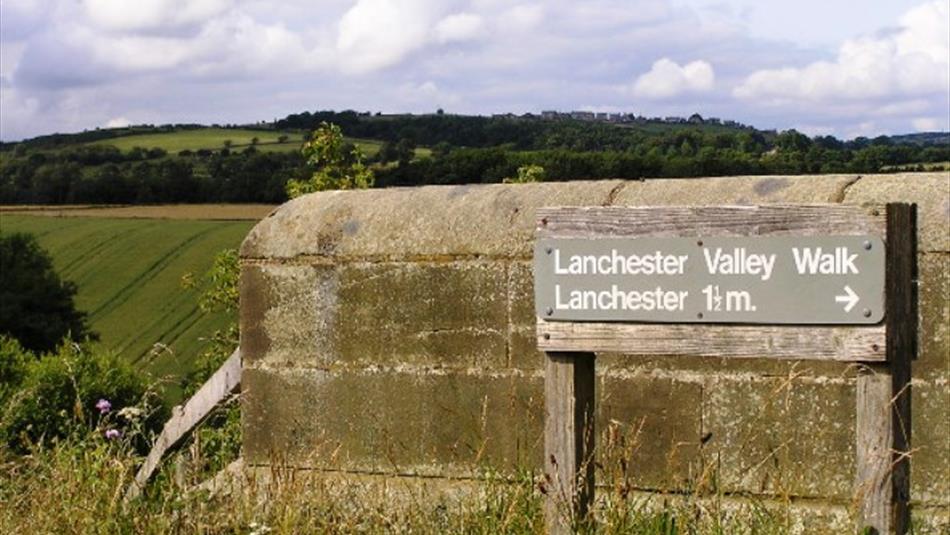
pixel 334 166
pixel 527 174
pixel 36 306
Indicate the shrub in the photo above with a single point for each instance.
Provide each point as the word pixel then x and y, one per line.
pixel 13 364
pixel 36 306
pixel 58 395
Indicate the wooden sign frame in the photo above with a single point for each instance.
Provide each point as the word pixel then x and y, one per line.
pixel 884 351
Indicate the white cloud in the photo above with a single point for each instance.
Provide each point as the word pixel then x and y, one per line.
pixel 458 27
pixel 522 17
pixel 376 34
pixel 117 122
pixel 124 15
pixel 668 79
pixel 913 60
pixel 74 64
pixel 925 124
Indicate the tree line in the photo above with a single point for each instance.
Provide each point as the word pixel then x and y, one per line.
pixel 462 149
pixel 199 177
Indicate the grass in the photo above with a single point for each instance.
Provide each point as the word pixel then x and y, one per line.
pixel 91 475
pixel 205 138
pixel 223 212
pixel 214 139
pixel 129 275
pixel 933 166
pixel 76 487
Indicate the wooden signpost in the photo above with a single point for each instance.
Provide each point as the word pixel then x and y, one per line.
pixel 825 282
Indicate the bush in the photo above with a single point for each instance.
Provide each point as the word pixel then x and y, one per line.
pixel 36 306
pixel 58 395
pixel 13 364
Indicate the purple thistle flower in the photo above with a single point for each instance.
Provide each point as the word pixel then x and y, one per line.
pixel 104 406
pixel 113 434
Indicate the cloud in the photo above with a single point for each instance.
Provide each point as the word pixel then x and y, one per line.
pixel 117 122
pixel 925 124
pixel 668 79
pixel 913 60
pixel 522 17
pixel 150 15
pixel 376 34
pixel 74 64
pixel 458 27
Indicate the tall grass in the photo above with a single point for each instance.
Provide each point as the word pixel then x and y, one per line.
pixel 77 486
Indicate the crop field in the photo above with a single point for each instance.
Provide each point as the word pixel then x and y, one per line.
pixel 205 138
pixel 215 138
pixel 212 212
pixel 129 275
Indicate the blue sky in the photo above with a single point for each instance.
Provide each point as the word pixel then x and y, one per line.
pixel 820 66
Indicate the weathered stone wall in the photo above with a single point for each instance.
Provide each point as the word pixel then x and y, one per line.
pixel 392 332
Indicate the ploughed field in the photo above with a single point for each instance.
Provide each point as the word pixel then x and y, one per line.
pixel 129 275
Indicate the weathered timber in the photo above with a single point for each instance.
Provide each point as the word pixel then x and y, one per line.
pixel 844 344
pixel 568 440
pixel 883 442
pixel 224 381
pixel 672 221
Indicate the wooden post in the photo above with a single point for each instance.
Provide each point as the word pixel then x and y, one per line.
pixel 882 482
pixel 568 439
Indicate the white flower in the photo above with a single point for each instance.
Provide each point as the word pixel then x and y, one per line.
pixel 131 413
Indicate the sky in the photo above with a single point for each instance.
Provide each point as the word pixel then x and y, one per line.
pixel 820 66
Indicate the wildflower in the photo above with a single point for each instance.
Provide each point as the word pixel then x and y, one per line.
pixel 131 413
pixel 104 406
pixel 113 434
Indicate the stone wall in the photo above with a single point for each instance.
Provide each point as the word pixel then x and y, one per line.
pixel 392 332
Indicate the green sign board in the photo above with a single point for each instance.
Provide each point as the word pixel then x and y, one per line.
pixel 758 280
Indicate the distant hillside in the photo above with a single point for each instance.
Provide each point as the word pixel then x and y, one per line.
pixel 923 138
pixel 227 164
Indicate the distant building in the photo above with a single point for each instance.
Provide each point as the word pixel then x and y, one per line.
pixel 583 115
pixel 549 114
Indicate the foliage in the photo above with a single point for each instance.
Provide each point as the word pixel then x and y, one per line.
pixel 14 360
pixel 36 306
pixel 129 273
pixel 527 174
pixel 58 393
pixel 334 166
pixel 222 279
pixel 220 435
pixel 116 168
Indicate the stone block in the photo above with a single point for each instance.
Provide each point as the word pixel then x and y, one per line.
pixel 930 431
pixel 394 422
pixel 446 313
pixel 933 298
pixel 735 190
pixel 781 436
pixel 288 314
pixel 931 192
pixel 397 223
pixel 650 430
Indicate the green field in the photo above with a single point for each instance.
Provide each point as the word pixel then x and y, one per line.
pixel 129 275
pixel 214 138
pixel 205 138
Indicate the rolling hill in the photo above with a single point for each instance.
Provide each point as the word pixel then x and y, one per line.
pixel 129 274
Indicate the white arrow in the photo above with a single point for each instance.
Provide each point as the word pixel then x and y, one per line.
pixel 851 299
